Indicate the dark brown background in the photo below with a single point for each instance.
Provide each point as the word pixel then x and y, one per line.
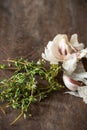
pixel 25 28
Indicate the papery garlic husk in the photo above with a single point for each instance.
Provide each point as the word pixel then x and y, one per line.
pixel 82 76
pixel 48 55
pixel 75 43
pixel 74 81
pixel 60 47
pixel 70 64
pixel 82 53
pixel 81 92
pixel 70 83
pixel 56 50
pixel 69 53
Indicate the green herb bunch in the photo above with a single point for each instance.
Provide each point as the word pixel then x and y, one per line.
pixel 30 82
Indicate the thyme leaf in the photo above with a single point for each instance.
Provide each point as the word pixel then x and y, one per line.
pixel 26 85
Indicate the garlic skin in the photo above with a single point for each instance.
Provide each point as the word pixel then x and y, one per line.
pixel 74 81
pixel 76 89
pixel 67 52
pixel 60 47
pixel 70 83
pixel 57 49
pixel 81 93
pixel 48 55
pixel 75 43
pixel 70 64
pixel 82 76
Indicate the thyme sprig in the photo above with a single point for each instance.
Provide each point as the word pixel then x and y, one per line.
pixel 30 82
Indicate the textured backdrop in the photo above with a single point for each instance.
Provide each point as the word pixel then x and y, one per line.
pixel 25 28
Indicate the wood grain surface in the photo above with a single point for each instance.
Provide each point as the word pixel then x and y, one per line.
pixel 25 28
